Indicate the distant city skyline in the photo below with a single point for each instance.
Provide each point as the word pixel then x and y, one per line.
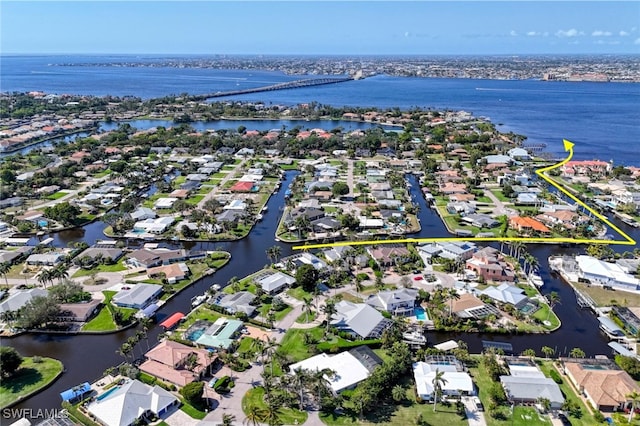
pixel 320 28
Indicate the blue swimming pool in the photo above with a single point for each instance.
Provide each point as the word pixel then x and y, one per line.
pixel 107 393
pixel 420 314
pixel 195 334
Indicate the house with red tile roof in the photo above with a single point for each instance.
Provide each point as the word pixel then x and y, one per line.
pixel 528 224
pixel 177 363
pixel 242 186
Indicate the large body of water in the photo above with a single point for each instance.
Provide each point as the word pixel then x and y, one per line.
pixel 601 118
pixel 510 103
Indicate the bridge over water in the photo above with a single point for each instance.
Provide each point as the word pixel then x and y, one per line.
pixel 308 82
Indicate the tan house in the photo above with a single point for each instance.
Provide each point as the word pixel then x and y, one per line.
pixel 605 388
pixel 177 363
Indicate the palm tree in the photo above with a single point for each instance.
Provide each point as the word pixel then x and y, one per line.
pixel 577 353
pixel 547 351
pixel 438 381
pixel 398 393
pixel 299 379
pixel 44 277
pixel 255 415
pixel 533 264
pixel 5 267
pixel 308 307
pixel 553 299
pixel 329 309
pixel 451 294
pixel 529 353
pixel 274 253
pixel 634 398
pixel 227 420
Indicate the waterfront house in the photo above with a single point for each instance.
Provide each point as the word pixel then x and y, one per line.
pixel 489 264
pixel 603 384
pixel 387 256
pixel 336 253
pixel 526 384
pixel 273 282
pixel 148 258
pixel 130 402
pixel 20 298
pixel 455 250
pixel 397 302
pixel 456 381
pixel 304 258
pixel 164 203
pixel 154 226
pixel 605 273
pixel 177 363
pixel 480 220
pixel 137 296
pixel 237 302
pixel 172 273
pixel 77 312
pixel 506 293
pixel 470 306
pixel 359 319
pixel 221 334
pixel 528 225
pixel 109 254
pixel 13 256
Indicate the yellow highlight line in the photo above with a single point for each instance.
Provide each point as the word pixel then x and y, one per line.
pixel 568 146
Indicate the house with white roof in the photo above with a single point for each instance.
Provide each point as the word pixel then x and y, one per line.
pixel 397 302
pixel 506 293
pixel 274 282
pixel 137 296
pixel 20 298
pixel 349 367
pixel 456 380
pixel 154 226
pixel 605 273
pixel 526 384
pixel 142 213
pixel 130 402
pixel 164 202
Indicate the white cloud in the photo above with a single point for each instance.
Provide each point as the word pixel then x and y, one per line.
pixel 623 33
pixel 513 33
pixel 636 41
pixel 407 34
pixel 600 33
pixel 545 34
pixel 568 33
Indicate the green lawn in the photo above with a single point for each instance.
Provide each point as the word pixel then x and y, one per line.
pixel 306 318
pixel 279 315
pixel 293 342
pixel 29 378
pixel 545 314
pixel 200 313
pixel 404 413
pixel 116 267
pixel 195 199
pixel 57 195
pixel 288 416
pixel 102 322
pixel 528 416
pixel 192 411
pixel 500 196
pixel 299 293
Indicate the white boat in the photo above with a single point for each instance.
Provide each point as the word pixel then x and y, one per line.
pixel 414 337
pixel 216 287
pixel 198 300
pixel 535 280
pixel 259 216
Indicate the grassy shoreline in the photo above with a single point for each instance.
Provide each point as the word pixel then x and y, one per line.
pixel 32 377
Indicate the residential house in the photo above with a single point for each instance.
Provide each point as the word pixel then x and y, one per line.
pixel 147 258
pixel 172 273
pixel 480 220
pixel 526 384
pixel 587 168
pixel 489 264
pixel 165 203
pixel 177 363
pixel 604 385
pixel 77 312
pixel 46 259
pixel 154 226
pixel 17 300
pixel 359 319
pixel 237 302
pixel 470 306
pixel 336 253
pixel 506 293
pixel 387 256
pixel 605 273
pixel 528 225
pixel 105 253
pixel 221 334
pixel 13 256
pixel 273 282
pixel 137 296
pixel 457 251
pixel 142 213
pixel 131 402
pixel 350 367
pixel 304 258
pixel 397 302
pixel 456 381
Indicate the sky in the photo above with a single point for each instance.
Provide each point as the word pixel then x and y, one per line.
pixel 320 27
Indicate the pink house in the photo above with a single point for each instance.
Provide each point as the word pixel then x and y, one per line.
pixel 177 363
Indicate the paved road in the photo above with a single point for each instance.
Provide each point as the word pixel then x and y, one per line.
pixel 475 417
pixel 215 191
pixel 500 206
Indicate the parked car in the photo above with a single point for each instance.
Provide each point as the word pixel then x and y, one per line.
pixel 212 382
pixel 478 404
pixel 565 421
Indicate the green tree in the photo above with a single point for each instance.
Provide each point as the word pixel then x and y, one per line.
pixel 307 276
pixel 547 351
pixel 227 420
pixel 553 299
pixel 38 311
pixel 339 188
pixel 192 392
pixel 577 353
pixel 398 393
pixel 5 267
pixel 634 399
pixel 64 213
pixel 10 361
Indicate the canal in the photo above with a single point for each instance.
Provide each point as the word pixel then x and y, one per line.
pixel 86 357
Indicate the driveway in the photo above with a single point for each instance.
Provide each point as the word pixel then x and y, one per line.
pixel 475 417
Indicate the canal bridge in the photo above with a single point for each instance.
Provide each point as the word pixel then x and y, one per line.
pixel 307 82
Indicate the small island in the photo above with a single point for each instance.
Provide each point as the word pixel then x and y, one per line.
pixel 25 376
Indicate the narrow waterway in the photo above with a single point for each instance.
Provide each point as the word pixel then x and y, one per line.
pixel 86 357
